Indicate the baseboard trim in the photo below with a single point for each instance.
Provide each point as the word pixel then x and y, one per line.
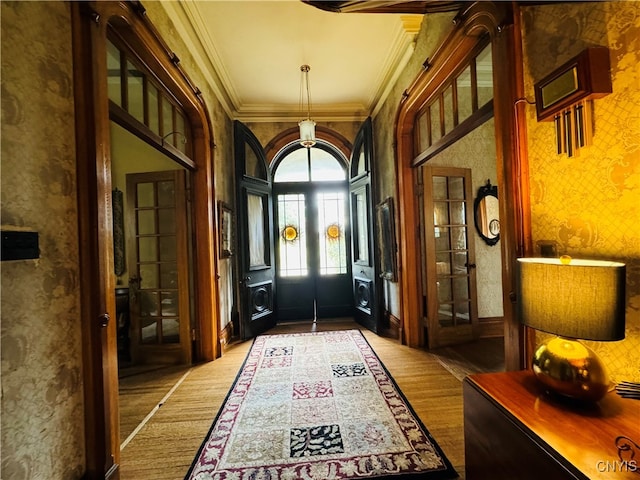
pixel 491 327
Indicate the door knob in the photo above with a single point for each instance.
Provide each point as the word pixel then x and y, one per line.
pixel 103 319
pixel 470 265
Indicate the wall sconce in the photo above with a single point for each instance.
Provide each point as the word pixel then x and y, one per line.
pixel 564 96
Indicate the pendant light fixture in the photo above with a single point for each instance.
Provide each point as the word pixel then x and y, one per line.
pixel 307 126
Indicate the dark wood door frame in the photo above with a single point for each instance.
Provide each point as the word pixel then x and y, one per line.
pixel 90 22
pixel 501 22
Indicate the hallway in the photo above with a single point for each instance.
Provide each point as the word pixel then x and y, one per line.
pixel 165 446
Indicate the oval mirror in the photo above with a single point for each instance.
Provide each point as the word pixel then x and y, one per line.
pixel 487 213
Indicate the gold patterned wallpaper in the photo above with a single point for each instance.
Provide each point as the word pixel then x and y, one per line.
pixel 42 394
pixel 590 204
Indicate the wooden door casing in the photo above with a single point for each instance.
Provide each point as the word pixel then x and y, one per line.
pixel 90 24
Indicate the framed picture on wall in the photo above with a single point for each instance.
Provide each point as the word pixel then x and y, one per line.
pixel 225 228
pixel 387 240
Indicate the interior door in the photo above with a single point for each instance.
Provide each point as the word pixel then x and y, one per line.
pixel 255 233
pixel 365 271
pixel 158 262
pixel 450 256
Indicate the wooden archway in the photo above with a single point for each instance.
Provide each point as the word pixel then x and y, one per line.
pixel 90 23
pixel 501 23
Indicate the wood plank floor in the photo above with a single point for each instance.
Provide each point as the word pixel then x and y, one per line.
pixel 164 447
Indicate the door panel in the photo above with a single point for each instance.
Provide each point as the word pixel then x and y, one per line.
pixel 255 234
pixel 313 260
pixel 296 284
pixel 450 256
pixel 366 284
pixel 333 295
pixel 158 267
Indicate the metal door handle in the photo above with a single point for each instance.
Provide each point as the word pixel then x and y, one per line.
pixel 470 265
pixel 103 320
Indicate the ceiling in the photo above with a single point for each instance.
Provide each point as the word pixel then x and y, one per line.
pixel 253 49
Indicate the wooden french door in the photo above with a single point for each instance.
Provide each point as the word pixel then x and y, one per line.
pixel 158 261
pixel 365 268
pixel 255 233
pixel 449 256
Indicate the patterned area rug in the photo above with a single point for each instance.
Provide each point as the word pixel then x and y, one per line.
pixel 317 406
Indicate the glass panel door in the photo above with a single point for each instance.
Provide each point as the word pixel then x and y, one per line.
pixel 158 263
pixel 450 269
pixel 332 247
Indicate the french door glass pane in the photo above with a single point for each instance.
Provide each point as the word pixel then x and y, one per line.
pixel 149 276
pixel 256 230
pixel 166 220
pixel 148 331
pixel 441 213
pixel 439 188
pixel 462 313
pixel 170 330
pixel 456 188
pixel 145 195
pixel 362 227
pixel 331 229
pixel 253 166
pixel 169 303
pixel 148 249
pixel 292 235
pixel 458 213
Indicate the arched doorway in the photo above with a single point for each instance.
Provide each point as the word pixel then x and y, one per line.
pixel 91 23
pixel 312 235
pixel 498 23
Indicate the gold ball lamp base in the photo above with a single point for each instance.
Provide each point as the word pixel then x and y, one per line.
pixel 571 369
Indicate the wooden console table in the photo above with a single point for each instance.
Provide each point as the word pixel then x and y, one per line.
pixel 513 429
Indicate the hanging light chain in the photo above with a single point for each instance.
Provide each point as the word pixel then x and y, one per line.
pixel 305 73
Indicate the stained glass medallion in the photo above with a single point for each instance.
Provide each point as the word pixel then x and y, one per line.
pixel 290 233
pixel 333 231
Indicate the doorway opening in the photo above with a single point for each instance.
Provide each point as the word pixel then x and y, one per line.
pixel 312 234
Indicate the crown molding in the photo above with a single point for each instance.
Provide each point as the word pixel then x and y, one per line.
pixel 191 26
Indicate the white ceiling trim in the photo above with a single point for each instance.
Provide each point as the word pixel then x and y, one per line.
pixel 194 44
pixel 191 25
pixel 397 59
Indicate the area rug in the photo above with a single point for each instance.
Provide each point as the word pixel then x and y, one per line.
pixel 317 406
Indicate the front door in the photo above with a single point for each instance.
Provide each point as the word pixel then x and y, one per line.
pixel 312 238
pixel 159 267
pixel 255 233
pixel 366 282
pixel 450 256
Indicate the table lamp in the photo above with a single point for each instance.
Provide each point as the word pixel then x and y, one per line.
pixel 574 299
